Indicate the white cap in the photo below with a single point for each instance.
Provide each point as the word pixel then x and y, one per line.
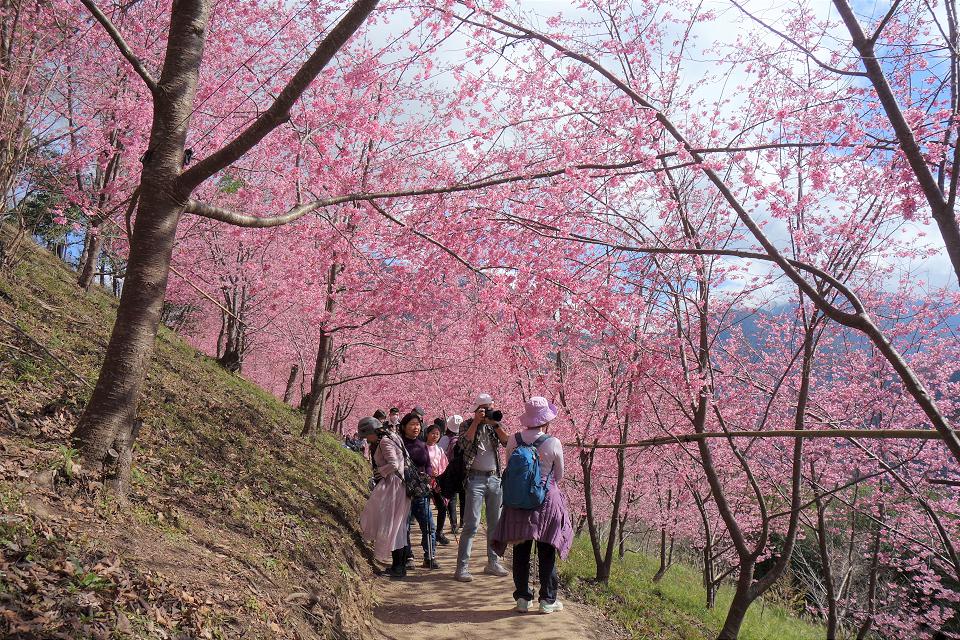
pixel 482 399
pixel 453 423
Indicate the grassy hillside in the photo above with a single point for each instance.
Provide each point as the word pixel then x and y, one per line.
pixel 674 608
pixel 235 528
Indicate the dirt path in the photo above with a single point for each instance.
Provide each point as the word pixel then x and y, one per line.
pixel 431 604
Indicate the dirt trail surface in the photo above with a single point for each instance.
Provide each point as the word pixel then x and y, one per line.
pixel 431 604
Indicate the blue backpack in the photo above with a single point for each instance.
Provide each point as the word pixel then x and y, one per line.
pixel 523 488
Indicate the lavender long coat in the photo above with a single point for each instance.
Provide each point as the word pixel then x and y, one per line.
pixel 384 518
pixel 549 523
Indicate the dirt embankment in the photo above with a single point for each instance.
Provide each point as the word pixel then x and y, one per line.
pixel 235 528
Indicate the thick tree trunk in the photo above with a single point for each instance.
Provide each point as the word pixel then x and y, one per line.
pixel 288 392
pixel 742 599
pixel 118 475
pixel 113 405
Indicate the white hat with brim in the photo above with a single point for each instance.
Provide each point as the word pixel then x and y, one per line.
pixel 482 399
pixel 537 411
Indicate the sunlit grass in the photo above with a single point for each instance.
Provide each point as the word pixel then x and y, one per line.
pixel 675 607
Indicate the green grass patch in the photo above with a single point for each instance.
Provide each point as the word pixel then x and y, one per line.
pixel 673 609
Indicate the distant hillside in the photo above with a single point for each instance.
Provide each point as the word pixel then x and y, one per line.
pixel 235 527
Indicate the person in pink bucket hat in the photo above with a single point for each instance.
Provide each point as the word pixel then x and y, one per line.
pixel 548 525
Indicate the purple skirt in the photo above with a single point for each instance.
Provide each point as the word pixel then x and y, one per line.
pixel 550 523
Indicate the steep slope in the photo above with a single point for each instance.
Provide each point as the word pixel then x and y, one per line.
pixel 235 527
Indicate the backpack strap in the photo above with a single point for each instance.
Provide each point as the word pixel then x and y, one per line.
pixel 535 444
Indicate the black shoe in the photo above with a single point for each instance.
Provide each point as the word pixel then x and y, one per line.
pixel 410 564
pixel 433 564
pixel 394 573
pixel 396 570
pixel 442 539
pixel 426 563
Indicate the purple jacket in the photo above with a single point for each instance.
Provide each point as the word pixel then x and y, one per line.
pixel 417 450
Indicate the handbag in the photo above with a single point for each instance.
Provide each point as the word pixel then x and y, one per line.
pixel 416 482
pixel 451 480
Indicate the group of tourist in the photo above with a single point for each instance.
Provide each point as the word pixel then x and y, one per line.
pixel 476 464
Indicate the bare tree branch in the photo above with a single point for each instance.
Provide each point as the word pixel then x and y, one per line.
pixel 246 220
pixel 429 239
pixel 876 434
pixel 806 52
pixel 279 111
pixel 122 45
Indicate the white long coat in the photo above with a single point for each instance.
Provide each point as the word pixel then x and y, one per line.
pixel 384 518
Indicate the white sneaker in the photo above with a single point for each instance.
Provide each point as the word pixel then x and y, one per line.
pixel 546 607
pixel 463 576
pixel 496 569
pixel 522 605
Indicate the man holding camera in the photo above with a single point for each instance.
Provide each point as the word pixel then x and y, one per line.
pixel 480 439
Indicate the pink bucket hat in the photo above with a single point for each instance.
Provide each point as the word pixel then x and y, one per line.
pixel 536 412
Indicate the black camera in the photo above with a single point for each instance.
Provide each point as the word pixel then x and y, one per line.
pixel 493 414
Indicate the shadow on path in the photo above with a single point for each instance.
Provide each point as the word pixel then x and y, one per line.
pixel 431 604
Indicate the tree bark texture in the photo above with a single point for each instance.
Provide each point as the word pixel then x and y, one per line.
pixel 163 195
pixel 288 392
pixel 113 405
pixel 88 267
pixel 321 372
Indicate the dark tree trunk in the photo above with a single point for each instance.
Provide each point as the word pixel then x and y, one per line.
pixel 586 464
pixel 92 258
pixel 113 404
pixel 742 599
pixel 709 580
pixel 708 576
pixel 867 624
pixel 665 560
pixel 164 193
pixel 118 476
pixel 826 569
pixel 317 396
pixel 603 569
pixel 288 393
pixel 313 420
